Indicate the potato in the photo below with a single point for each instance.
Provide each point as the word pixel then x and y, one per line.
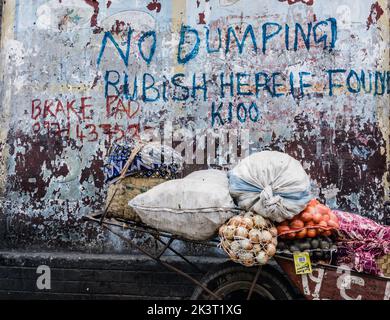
pixel 294 249
pixel 315 243
pixel 324 245
pixel 304 246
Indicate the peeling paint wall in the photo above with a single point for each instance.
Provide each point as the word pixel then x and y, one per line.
pixel 58 117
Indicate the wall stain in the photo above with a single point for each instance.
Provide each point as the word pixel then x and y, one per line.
pixel 39 152
pixel 95 171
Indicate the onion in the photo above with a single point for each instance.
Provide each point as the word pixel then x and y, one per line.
pixel 254 235
pixel 259 221
pixel 246 258
pixel 241 232
pixel 248 263
pixel 256 248
pixel 271 250
pixel 247 222
pixel 273 231
pixel 262 258
pixel 235 246
pixel 245 255
pixel 265 236
pixel 229 232
pixel 246 244
pixel 235 221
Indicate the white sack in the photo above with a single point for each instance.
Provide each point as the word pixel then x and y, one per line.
pixel 193 207
pixel 270 183
pixel 211 175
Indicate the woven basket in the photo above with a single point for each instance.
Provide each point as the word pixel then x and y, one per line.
pixel 127 189
pixel 384 264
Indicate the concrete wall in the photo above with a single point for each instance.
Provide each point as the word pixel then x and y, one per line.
pixel 58 116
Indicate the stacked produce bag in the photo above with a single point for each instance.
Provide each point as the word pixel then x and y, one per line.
pixel 270 187
pixel 274 186
pixel 244 204
pixel 261 207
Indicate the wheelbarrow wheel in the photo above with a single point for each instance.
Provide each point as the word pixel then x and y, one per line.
pixel 235 282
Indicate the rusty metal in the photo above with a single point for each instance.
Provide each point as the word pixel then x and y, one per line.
pixel 108 206
pixel 166 246
pixel 179 254
pixel 254 283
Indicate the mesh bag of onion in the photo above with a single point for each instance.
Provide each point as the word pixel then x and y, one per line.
pixel 249 239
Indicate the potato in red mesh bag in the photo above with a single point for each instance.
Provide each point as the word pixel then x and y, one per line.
pixel 317 219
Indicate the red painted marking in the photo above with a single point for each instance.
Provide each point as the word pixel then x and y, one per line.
pixel 116 106
pixel 54 108
pixel 95 81
pixel 307 2
pixel 202 18
pixel 119 27
pixel 95 5
pixel 154 5
pixel 375 13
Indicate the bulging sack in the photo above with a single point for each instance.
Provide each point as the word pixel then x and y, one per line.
pixel 270 183
pixel 193 207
